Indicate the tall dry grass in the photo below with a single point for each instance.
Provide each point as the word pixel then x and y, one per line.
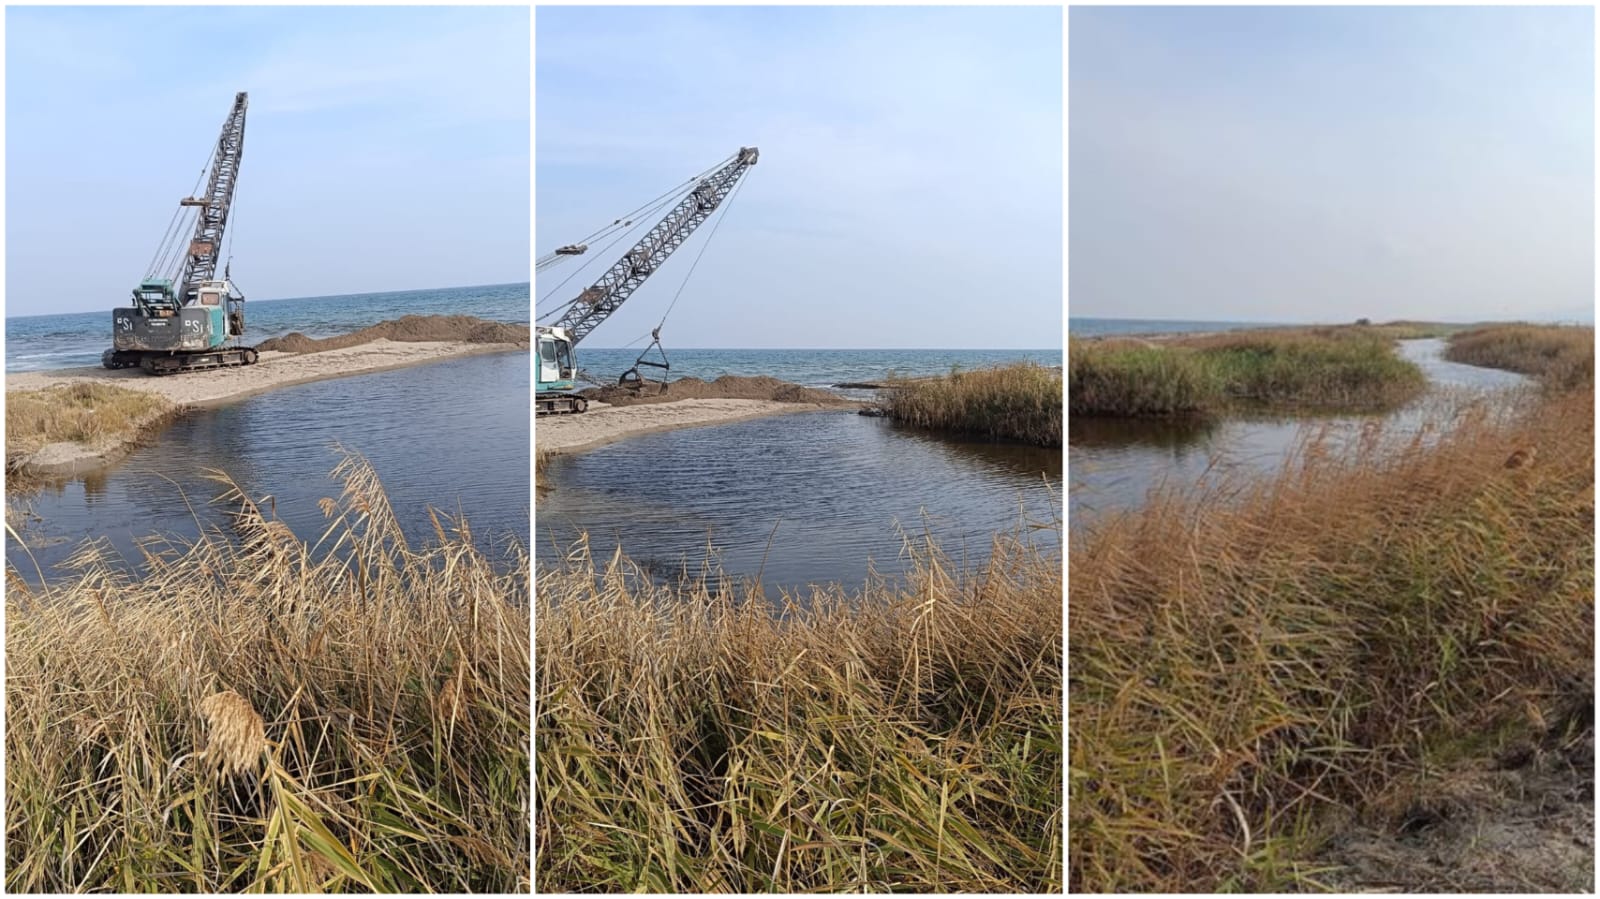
pixel 255 714
pixel 1013 402
pixel 91 414
pixel 692 738
pixel 1244 672
pixel 1349 368
pixel 1560 356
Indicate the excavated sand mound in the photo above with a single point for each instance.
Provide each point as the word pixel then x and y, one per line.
pixel 409 329
pixel 727 387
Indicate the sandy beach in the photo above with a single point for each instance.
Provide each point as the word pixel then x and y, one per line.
pixel 275 369
pixel 219 386
pixel 604 424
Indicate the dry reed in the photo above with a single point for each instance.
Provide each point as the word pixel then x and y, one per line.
pixel 376 732
pixel 1014 402
pixel 694 738
pixel 94 415
pixel 1560 356
pixel 1243 672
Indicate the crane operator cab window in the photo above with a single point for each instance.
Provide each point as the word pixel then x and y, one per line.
pixel 564 359
pixel 210 298
pixel 548 368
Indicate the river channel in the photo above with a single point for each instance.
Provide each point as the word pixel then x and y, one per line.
pixel 450 435
pixel 1114 463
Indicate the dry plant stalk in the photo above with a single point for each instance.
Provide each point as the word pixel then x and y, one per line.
pixel 338 645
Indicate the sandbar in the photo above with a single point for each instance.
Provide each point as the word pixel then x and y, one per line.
pixel 604 424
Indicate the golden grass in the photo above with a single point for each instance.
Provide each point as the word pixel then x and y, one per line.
pixel 368 708
pixel 95 415
pixel 1560 356
pixel 1242 670
pixel 1346 368
pixel 1013 402
pixel 693 738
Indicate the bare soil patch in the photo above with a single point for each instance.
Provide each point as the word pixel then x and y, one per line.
pixel 1519 821
pixel 407 329
pixel 727 387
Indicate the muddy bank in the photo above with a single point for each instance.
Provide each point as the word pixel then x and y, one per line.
pixel 1520 821
pixel 63 461
pixel 407 329
pixel 604 424
pixel 186 392
pixel 727 387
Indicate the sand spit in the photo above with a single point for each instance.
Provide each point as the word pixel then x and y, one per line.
pixel 408 329
pixel 727 387
pixel 211 388
pixel 604 424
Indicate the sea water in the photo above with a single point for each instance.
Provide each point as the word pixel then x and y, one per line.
pixel 36 342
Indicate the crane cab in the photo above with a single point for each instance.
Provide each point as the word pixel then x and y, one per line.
pixel 556 371
pixel 556 379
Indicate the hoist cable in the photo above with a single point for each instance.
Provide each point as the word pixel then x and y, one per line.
pixel 163 250
pixel 674 190
pixel 601 254
pixel 630 219
pixel 721 217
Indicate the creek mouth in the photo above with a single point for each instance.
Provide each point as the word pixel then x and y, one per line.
pixel 436 436
pixel 1115 463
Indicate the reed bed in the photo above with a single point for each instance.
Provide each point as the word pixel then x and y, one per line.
pixel 1350 368
pixel 1244 673
pixel 1014 402
pixel 1560 356
pixel 251 713
pixel 694 738
pixel 91 414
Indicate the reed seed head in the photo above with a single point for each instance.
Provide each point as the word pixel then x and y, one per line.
pixel 237 737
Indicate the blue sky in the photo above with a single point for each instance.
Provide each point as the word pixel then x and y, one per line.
pixel 1298 164
pixel 909 187
pixel 385 148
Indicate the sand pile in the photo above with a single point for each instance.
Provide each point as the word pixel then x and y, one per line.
pixel 730 387
pixel 408 329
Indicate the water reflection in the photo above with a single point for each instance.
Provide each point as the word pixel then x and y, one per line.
pixel 1114 463
pixel 452 435
pixel 801 499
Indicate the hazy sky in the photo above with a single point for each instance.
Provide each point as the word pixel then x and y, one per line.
pixel 1287 164
pixel 909 187
pixel 385 148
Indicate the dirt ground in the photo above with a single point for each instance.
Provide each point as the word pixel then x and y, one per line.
pixel 275 369
pixel 727 387
pixel 1521 822
pixel 407 329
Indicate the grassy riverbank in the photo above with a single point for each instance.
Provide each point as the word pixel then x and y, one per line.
pixel 1246 675
pixel 1350 368
pixel 691 740
pixel 1560 356
pixel 247 717
pixel 1014 402
pixel 93 416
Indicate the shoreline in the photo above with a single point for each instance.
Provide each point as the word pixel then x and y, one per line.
pixel 196 391
pixel 603 424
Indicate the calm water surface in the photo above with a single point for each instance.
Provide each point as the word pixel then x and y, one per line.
pixel 831 491
pixel 1114 463
pixel 452 435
